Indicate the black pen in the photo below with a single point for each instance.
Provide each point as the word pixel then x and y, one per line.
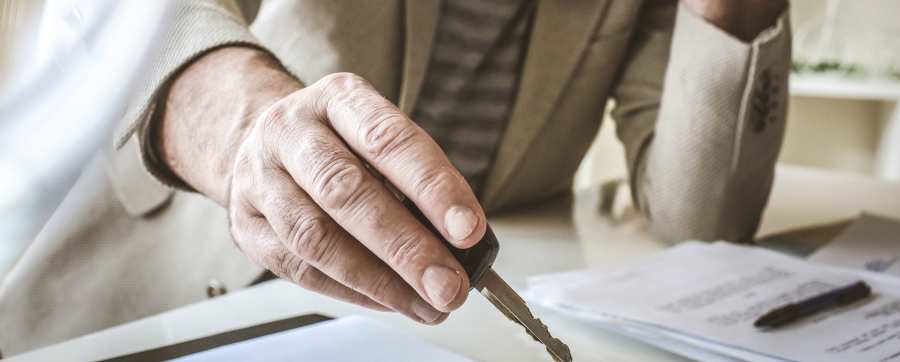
pixel 833 298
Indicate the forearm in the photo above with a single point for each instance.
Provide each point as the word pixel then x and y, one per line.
pixel 207 110
pixel 706 171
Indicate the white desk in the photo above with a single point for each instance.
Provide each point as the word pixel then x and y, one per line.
pixel 533 242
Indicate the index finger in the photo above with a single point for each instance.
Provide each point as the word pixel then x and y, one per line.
pixel 405 154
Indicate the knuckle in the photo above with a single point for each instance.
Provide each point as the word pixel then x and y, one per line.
pixel 242 169
pixel 309 237
pixel 383 286
pixel 318 152
pixel 434 181
pixel 352 274
pixel 384 132
pixel 403 250
pixel 272 120
pixel 305 276
pixel 284 122
pixel 280 261
pixel 340 184
pixel 341 82
pixel 274 202
pixel 272 128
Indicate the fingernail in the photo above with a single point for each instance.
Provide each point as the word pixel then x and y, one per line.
pixel 441 285
pixel 426 312
pixel 460 222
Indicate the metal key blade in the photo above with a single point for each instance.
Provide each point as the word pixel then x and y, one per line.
pixel 502 296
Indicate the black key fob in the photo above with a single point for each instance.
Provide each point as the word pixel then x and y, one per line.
pixel 475 260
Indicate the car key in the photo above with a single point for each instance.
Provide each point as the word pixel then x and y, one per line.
pixel 477 262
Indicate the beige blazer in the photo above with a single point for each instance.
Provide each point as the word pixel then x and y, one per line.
pixel 700 114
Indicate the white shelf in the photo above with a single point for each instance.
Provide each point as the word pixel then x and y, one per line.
pixel 823 86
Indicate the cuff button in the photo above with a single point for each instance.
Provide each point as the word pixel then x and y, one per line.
pixel 215 288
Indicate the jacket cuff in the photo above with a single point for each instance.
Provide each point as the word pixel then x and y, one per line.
pixel 722 112
pixel 708 62
pixel 197 27
pixel 719 63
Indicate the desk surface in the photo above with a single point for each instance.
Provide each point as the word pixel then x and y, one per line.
pixel 559 236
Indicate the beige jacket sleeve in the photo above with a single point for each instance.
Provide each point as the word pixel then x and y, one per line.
pixel 196 27
pixel 702 139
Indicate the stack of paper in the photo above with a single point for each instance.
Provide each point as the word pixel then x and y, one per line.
pixel 701 300
pixel 869 243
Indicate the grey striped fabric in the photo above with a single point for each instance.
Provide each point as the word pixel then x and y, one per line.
pixel 472 79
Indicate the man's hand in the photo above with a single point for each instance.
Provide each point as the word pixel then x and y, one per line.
pixel 301 201
pixel 744 19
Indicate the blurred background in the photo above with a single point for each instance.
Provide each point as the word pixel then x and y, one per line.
pixel 67 70
pixel 843 107
pixel 843 112
pixel 19 20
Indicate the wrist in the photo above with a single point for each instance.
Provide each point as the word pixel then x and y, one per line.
pixel 209 108
pixel 744 19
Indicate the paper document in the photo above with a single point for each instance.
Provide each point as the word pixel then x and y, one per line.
pixel 869 243
pixel 709 295
pixel 347 339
